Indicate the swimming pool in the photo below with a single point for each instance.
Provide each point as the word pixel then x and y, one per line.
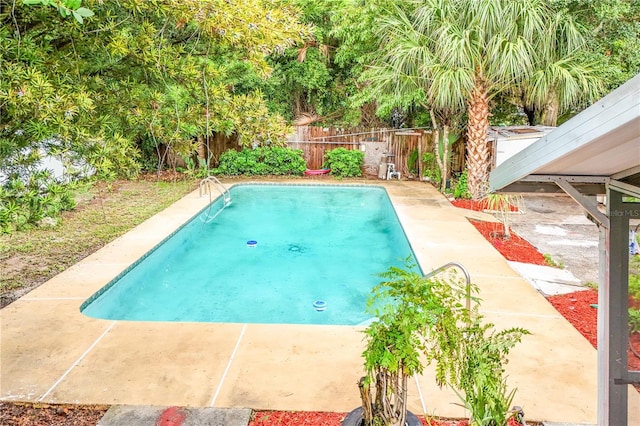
pixel 313 243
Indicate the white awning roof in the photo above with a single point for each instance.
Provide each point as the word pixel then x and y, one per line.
pixel 599 144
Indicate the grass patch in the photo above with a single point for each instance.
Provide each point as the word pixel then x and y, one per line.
pixel 104 212
pixel 551 262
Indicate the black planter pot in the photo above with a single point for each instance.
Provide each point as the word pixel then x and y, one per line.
pixel 354 418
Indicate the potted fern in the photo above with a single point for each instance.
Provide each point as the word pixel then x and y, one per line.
pixel 410 309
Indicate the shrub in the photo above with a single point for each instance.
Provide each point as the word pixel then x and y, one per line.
pixel 344 162
pixel 261 161
pixel 634 320
pixel 431 169
pixel 410 310
pixel 634 293
pixel 112 157
pixel 479 380
pixel 461 189
pixel 25 201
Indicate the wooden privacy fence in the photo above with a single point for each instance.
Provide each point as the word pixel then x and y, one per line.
pixel 379 145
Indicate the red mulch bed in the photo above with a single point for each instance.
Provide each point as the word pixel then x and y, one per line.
pixel 315 418
pixel 478 206
pixel 514 248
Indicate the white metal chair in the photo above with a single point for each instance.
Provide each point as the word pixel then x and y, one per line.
pixel 392 172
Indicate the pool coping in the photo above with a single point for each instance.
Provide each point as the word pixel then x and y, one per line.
pixel 50 352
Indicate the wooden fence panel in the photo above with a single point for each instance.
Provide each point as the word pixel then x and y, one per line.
pixel 377 143
pixel 380 145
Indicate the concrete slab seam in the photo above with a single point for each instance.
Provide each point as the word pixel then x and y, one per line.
pixel 57 382
pixel 226 370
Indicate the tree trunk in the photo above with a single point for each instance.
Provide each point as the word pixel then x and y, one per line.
pixel 478 148
pixel 531 114
pixel 391 399
pixel 389 405
pixel 201 150
pixel 367 403
pixel 550 113
pixel 444 161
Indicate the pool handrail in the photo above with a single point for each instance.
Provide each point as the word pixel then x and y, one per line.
pixel 226 195
pixel 464 271
pixel 212 180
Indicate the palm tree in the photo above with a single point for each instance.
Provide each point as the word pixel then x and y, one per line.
pixel 465 52
pixel 562 79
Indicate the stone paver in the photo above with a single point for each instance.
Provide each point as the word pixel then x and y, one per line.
pixel 122 415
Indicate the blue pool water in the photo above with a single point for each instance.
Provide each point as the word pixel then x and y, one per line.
pixel 313 244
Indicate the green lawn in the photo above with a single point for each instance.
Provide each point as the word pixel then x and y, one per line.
pixel 104 212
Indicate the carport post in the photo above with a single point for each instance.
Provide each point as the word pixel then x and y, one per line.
pixel 613 314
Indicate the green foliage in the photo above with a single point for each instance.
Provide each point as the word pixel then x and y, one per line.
pixel 111 158
pixel 551 262
pixel 344 162
pixel 461 188
pixel 613 36
pixel 479 371
pixel 431 169
pixel 634 320
pixel 254 124
pixel 25 201
pixel 138 73
pixel 409 309
pixel 418 316
pixel 634 293
pixel 261 161
pixel 65 8
pixel 412 161
pixel 307 81
pixel 199 170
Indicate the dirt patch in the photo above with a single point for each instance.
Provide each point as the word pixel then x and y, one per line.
pixel 19 414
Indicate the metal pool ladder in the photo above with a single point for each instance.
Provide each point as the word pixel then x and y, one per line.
pixel 205 185
pixel 464 271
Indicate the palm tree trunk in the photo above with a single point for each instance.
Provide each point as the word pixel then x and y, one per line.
pixel 478 148
pixel 550 112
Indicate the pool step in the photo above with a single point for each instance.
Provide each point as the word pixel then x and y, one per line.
pixel 144 415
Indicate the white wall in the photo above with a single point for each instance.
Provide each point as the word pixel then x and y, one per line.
pixel 507 147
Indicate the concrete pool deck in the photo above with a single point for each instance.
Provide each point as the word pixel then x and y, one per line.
pixel 50 352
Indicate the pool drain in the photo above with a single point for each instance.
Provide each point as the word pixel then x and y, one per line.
pixel 320 305
pixel 294 248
